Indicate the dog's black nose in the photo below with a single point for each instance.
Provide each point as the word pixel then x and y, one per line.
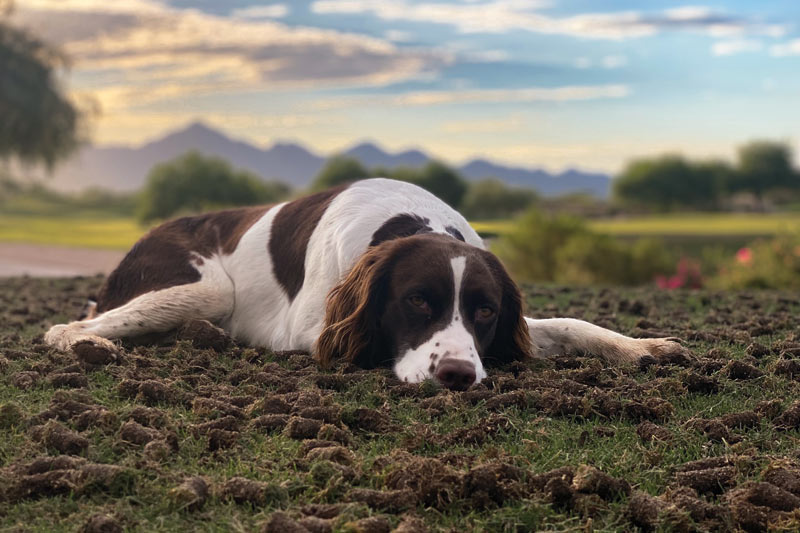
pixel 456 374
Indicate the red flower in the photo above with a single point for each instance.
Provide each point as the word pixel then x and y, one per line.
pixel 744 255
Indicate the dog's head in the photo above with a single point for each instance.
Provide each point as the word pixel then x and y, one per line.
pixel 430 306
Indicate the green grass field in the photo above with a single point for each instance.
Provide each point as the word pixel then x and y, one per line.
pixel 120 233
pixel 270 442
pixel 687 225
pixel 86 232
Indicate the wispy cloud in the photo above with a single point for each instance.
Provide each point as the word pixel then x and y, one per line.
pixel 260 12
pixel 483 126
pixel 158 52
pixel 736 46
pixel 480 96
pixel 791 48
pixel 496 16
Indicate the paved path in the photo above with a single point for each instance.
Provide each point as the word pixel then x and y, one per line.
pixel 18 259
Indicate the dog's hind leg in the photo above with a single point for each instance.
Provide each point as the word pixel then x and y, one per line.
pixel 211 298
pixel 561 336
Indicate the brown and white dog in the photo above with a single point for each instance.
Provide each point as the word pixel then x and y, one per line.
pixel 380 273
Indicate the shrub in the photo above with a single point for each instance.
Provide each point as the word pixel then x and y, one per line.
pixel 563 249
pixel 765 264
pixel 194 183
pixel 493 199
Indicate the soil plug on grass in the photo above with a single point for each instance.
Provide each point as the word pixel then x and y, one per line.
pixel 94 354
pixel 56 436
pixel 589 479
pixel 101 523
pixel 373 524
pixel 191 494
pixel 204 335
pixel 242 490
pixel 280 522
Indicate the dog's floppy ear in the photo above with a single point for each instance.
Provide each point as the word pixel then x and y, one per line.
pixel 352 313
pixel 512 341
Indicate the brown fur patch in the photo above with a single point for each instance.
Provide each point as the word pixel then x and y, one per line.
pixel 403 225
pixel 163 258
pixel 291 231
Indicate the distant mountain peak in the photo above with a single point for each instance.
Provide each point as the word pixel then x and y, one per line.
pixel 125 168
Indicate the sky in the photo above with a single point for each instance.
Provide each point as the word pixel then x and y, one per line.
pixel 555 84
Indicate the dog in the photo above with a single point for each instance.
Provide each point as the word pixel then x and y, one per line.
pixel 379 273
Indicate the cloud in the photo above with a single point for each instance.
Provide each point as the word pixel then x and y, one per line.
pixel 497 16
pixel 480 96
pixel 736 46
pixel 259 12
pixel 791 48
pixel 158 52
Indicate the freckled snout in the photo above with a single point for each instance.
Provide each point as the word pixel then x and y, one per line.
pixel 456 374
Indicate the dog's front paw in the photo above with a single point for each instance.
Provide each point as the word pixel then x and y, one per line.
pixel 58 337
pixel 668 351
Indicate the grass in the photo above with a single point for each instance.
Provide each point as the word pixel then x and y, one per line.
pixel 85 232
pixel 98 230
pixel 415 423
pixel 678 225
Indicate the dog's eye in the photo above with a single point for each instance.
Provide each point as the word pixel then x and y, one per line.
pixel 483 313
pixel 417 301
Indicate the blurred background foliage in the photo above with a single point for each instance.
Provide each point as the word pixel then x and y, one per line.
pixel 670 220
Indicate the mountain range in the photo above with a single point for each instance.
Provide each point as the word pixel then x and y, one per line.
pixel 125 168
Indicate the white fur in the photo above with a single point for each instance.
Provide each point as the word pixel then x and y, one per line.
pixel 240 292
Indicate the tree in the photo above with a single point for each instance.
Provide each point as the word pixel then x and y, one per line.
pixel 669 182
pixel 338 170
pixel 194 183
pixel 765 166
pixel 491 198
pixel 444 182
pixel 39 124
pixel 434 177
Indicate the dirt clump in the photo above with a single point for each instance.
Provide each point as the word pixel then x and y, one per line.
pixel 227 423
pixel 136 433
pixel 754 506
pixel 434 483
pixel 369 420
pixel 26 379
pixel 790 419
pixel 390 501
pixel 334 433
pixel 60 475
pixel 56 436
pixel 650 432
pixel 281 522
pixel 699 383
pixel 372 524
pixel 204 335
pixel 708 480
pixel 220 439
pixel 101 523
pixel 211 408
pixel 492 484
pixel 242 490
pixel 411 524
pixel 713 429
pixel 151 391
pixel 742 420
pixel 654 409
pixel 336 454
pixel 590 480
pixel 739 370
pixel 75 380
pixel 302 428
pixel 270 422
pixel 191 494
